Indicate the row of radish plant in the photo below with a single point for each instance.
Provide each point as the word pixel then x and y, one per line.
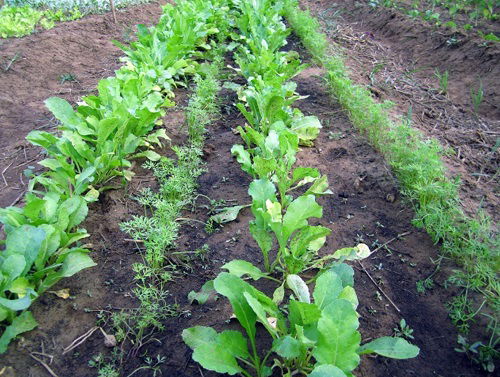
pixel 91 153
pixel 314 337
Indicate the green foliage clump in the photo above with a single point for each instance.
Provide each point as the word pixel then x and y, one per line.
pixel 21 21
pixel 314 336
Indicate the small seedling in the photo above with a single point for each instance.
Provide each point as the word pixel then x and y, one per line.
pixel 376 68
pixel 453 41
pixel 11 61
pixel 482 354
pixel 67 77
pixel 424 285
pixel 477 97
pixel 403 330
pixel 335 135
pixel 443 81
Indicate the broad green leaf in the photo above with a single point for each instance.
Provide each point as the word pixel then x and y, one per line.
pixel 298 212
pixel 327 289
pixel 261 190
pixel 233 288
pixel 207 291
pixel 105 128
pixel 307 128
pixel 150 155
pixel 234 342
pixel 216 357
pixel 240 268
pixel 263 238
pixel 279 294
pixel 302 314
pixel 349 294
pixel 327 370
pixel 297 285
pixel 13 266
pixel 301 173
pixel 304 240
pixel 154 137
pixel 199 335
pixel 338 339
pixel 261 312
pixel 84 179
pixel 361 251
pixel 42 138
pixel 287 347
pixel 345 273
pixel 75 262
pixel 274 211
pixel 4 313
pixel 20 303
pixel 272 143
pixel 264 167
pixel 243 157
pixel 395 348
pixel 23 323
pixel 319 187
pixel 26 241
pixel 76 210
pixel 303 338
pixel 63 111
pixel 20 286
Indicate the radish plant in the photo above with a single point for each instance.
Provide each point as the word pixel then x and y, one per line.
pixel 315 336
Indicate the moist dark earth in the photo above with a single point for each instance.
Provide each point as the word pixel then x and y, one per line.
pixel 365 207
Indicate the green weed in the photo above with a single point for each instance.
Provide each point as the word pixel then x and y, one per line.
pixel 477 97
pixel 442 80
pixel 403 330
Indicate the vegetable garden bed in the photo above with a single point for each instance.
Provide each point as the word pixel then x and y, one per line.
pixel 364 207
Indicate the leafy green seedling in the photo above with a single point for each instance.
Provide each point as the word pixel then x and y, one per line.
pixel 315 335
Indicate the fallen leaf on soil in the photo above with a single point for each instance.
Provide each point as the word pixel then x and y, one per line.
pixel 62 293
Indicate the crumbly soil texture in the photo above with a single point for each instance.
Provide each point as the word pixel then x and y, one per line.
pixel 365 207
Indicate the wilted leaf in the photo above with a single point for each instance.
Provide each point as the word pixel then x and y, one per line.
pixel 228 214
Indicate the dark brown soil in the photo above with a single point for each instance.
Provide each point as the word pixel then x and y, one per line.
pixel 365 207
pixel 424 46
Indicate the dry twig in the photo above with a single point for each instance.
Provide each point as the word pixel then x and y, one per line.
pixel 47 368
pixel 391 240
pixel 380 289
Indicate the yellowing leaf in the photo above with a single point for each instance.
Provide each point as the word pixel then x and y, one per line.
pixel 62 293
pixel 363 251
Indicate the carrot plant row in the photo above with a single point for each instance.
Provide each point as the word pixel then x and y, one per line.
pixel 94 145
pixel 315 336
